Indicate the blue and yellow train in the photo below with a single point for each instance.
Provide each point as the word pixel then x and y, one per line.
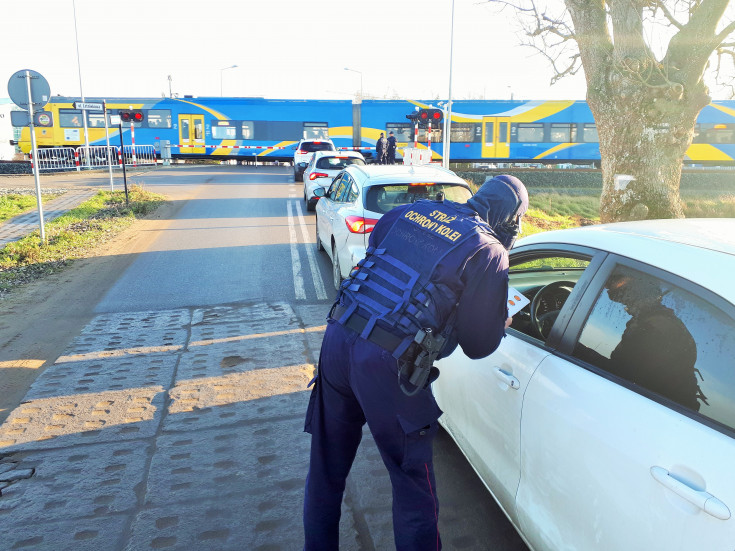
pixel 546 132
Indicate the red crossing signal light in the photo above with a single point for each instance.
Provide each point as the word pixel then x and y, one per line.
pixel 131 116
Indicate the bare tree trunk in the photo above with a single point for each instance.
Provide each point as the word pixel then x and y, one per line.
pixel 645 138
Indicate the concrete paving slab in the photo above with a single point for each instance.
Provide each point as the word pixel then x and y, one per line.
pixel 88 346
pixel 66 535
pixel 92 376
pixel 95 482
pixel 83 419
pixel 114 323
pixel 243 460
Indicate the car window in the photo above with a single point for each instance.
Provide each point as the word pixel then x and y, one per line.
pixel 310 147
pixel 665 339
pixel 352 193
pixel 546 279
pixel 339 191
pixel 338 163
pixel 382 198
pixel 333 186
pixel 343 192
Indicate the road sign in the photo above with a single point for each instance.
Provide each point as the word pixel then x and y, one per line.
pixel 18 89
pixel 88 106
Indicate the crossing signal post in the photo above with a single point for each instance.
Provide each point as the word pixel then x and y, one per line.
pixel 426 118
pixel 131 116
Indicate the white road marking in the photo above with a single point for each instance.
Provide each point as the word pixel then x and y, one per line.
pixel 298 278
pixel 316 275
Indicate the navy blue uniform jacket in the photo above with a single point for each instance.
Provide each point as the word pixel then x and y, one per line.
pixel 478 268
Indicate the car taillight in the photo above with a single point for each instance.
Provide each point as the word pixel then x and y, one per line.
pixel 315 175
pixel 358 224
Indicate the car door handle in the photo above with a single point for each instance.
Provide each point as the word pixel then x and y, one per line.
pixel 507 378
pixel 705 501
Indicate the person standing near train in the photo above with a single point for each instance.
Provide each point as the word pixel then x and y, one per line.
pixel 422 289
pixel 380 149
pixel 391 149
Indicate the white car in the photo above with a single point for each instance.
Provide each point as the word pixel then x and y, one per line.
pixel 323 167
pixel 605 420
pixel 347 212
pixel 303 152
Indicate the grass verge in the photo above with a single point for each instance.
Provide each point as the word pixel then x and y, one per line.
pixel 73 235
pixel 11 205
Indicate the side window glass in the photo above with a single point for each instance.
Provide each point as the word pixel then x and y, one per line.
pixel 333 187
pixel 352 192
pixel 665 339
pixel 340 189
pixel 547 281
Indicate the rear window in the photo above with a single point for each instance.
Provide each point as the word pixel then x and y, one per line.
pixel 310 147
pixel 383 198
pixel 338 163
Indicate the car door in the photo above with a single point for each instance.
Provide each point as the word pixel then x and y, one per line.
pixel 628 431
pixel 344 207
pixel 326 212
pixel 482 399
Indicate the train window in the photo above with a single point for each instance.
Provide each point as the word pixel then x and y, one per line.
pixel 489 133
pixel 503 132
pixel 224 130
pixel 70 118
pixel 159 118
pixel 530 132
pixel 563 133
pixel 721 133
pixel 402 131
pixel 248 129
pixel 589 133
pixel 316 131
pixel 95 120
pixel 198 129
pixel 436 135
pixel 466 132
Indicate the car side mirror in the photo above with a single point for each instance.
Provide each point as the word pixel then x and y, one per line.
pixel 320 192
pixel 303 165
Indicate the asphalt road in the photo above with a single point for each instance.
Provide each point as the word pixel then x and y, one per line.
pixel 173 418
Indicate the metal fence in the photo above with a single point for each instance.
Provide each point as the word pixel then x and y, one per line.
pixel 70 158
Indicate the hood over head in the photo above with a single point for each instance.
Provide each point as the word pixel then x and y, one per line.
pixel 501 201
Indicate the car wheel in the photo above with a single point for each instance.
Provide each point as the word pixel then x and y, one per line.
pixel 319 246
pixel 336 273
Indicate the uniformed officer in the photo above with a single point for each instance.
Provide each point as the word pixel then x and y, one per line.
pixel 435 275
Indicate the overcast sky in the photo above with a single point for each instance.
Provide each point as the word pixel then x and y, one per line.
pixel 282 49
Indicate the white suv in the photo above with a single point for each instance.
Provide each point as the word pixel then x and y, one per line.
pixel 304 151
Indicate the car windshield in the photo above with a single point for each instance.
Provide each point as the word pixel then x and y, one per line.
pixel 383 198
pixel 338 163
pixel 310 147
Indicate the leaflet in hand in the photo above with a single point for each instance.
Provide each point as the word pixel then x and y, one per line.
pixel 516 301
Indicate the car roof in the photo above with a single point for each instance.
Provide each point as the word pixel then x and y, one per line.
pixel 318 140
pixel 704 247
pixel 338 153
pixel 388 174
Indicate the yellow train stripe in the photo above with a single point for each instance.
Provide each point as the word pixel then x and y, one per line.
pixel 706 152
pixel 555 149
pixel 723 109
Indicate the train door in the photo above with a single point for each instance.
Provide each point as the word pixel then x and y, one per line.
pixel 191 134
pixel 496 137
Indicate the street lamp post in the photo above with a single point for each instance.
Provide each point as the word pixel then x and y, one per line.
pixel 448 119
pixel 360 73
pixel 81 90
pixel 220 77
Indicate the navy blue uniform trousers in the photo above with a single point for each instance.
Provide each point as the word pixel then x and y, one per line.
pixel 357 381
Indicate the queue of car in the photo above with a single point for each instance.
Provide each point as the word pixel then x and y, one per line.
pixel 606 418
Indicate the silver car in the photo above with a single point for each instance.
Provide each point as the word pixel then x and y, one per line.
pixel 323 167
pixel 349 209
